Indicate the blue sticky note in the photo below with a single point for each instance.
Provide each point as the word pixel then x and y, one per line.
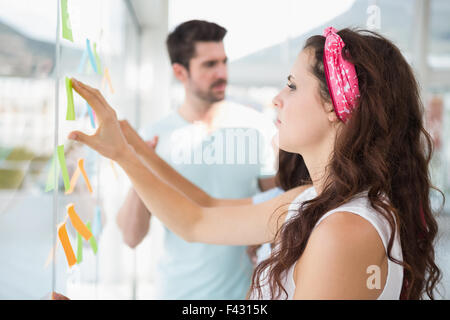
pixel 91 56
pixel 91 115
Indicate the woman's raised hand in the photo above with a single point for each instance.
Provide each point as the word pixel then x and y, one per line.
pixel 108 140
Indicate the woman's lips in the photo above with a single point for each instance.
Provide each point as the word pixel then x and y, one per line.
pixel 277 122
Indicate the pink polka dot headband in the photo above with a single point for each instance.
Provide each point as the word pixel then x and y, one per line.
pixel 340 74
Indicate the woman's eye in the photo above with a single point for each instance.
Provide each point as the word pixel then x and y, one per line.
pixel 291 86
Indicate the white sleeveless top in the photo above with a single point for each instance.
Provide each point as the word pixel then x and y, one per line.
pixel 361 206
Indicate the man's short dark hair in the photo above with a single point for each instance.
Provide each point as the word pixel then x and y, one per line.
pixel 181 41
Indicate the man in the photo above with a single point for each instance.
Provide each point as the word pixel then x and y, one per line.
pixel 220 147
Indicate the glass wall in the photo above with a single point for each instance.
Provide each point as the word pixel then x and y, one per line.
pixel 34 61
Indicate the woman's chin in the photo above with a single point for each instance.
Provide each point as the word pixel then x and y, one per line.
pixel 286 148
pixel 279 143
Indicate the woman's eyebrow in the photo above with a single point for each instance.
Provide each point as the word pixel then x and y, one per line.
pixel 290 77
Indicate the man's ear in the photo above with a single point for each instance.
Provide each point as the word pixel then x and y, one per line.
pixel 180 72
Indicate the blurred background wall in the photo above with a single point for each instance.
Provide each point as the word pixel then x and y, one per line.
pixel 264 38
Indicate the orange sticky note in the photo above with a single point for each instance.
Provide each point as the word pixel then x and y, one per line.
pixel 77 223
pixel 76 174
pixel 64 238
pixel 73 180
pixel 108 77
pixel 52 250
pixel 50 255
pixel 81 167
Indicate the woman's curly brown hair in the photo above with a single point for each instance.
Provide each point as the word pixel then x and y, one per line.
pixel 384 150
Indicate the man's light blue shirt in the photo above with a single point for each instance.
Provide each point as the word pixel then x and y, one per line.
pixel 204 271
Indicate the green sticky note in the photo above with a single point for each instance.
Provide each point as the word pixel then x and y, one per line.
pixel 97 60
pixel 92 239
pixel 62 165
pixel 66 26
pixel 51 174
pixel 79 248
pixel 70 107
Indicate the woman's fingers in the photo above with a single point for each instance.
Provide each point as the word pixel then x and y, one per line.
pixel 108 139
pixel 92 96
pixel 83 138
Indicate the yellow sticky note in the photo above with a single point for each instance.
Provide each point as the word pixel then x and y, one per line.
pixel 70 114
pixel 92 240
pixel 79 248
pixel 97 59
pixel 64 238
pixel 62 165
pixel 77 223
pixel 66 26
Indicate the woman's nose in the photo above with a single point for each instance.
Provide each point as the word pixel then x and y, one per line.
pixel 277 102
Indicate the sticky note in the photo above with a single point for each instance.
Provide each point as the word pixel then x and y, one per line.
pixel 77 223
pixel 50 255
pixel 79 170
pixel 83 172
pixel 91 114
pixel 64 239
pixel 73 180
pixel 91 56
pixel 79 248
pixel 70 115
pixel 97 60
pixel 62 165
pixel 50 185
pixel 92 240
pixel 66 25
pixel 107 76
pixel 53 249
pixel 83 61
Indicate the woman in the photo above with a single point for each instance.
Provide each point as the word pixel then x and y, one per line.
pixel 352 110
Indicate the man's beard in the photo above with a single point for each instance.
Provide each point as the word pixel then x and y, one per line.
pixel 209 95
